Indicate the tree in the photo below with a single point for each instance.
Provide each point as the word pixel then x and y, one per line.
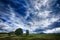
pixel 27 32
pixel 19 31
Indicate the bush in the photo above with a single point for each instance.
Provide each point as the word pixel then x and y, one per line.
pixel 11 33
pixel 19 31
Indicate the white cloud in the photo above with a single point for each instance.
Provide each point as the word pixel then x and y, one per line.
pixel 40 19
pixel 55 30
pixel 43 15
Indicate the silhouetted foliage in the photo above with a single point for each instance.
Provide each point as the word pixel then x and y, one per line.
pixel 11 33
pixel 27 32
pixel 19 31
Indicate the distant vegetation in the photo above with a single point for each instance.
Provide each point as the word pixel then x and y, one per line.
pixel 19 35
pixel 27 32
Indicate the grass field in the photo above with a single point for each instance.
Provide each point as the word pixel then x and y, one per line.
pixel 31 37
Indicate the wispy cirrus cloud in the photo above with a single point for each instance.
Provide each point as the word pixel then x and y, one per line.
pixel 31 15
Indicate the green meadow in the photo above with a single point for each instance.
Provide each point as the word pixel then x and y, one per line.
pixel 30 37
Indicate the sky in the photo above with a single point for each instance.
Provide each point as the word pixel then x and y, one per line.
pixel 37 16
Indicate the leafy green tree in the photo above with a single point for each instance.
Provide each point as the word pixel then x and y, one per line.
pixel 19 32
pixel 27 32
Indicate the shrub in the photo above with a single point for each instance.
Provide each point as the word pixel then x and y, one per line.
pixel 11 33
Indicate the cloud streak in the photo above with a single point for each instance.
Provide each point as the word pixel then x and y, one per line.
pixel 31 15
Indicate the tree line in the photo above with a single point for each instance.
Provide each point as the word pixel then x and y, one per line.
pixel 19 32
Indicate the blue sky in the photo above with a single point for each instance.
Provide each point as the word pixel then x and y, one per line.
pixel 38 16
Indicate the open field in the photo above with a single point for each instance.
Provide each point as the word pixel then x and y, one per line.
pixel 31 37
